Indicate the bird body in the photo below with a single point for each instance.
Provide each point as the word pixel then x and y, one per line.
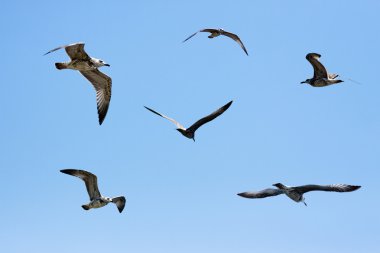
pixel 88 67
pixel 96 199
pixel 217 32
pixel 296 193
pixel 321 78
pixel 190 132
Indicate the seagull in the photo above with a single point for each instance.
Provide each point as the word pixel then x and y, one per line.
pixel 190 132
pixel 296 192
pixel 321 78
pixel 97 200
pixel 88 67
pixel 217 32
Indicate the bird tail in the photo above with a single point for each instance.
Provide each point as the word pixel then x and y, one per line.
pixel 86 207
pixel 59 65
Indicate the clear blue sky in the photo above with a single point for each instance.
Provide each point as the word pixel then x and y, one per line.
pixel 181 195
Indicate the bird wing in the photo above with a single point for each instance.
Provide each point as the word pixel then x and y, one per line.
pixel 210 117
pixel 89 179
pixel 75 51
pixel 319 70
pixel 166 117
pixel 330 188
pixel 270 192
pixel 102 84
pixel 203 30
pixel 120 202
pixel 237 39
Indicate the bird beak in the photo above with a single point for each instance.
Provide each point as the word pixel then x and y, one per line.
pixel 107 65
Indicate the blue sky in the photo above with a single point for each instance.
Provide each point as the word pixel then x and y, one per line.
pixel 181 195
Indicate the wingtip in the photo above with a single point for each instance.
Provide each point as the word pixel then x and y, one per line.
pixel 243 194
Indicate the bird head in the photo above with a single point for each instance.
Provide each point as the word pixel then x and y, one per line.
pixel 306 81
pixel 187 134
pixel 99 63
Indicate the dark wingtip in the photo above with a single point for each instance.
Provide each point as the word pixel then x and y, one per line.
pixel 226 106
pixel 355 187
pixel 67 171
pixel 243 194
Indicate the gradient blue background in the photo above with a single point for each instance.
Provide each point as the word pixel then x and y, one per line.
pixel 181 196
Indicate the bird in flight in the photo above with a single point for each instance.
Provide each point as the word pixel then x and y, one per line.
pixel 88 67
pixel 321 78
pixel 296 192
pixel 96 199
pixel 190 132
pixel 216 32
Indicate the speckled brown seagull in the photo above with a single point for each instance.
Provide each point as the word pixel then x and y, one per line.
pixel 296 192
pixel 96 199
pixel 217 32
pixel 321 78
pixel 88 67
pixel 190 132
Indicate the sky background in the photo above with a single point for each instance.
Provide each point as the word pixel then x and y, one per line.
pixel 181 195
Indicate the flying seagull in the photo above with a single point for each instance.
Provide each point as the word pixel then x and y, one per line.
pixel 96 199
pixel 321 78
pixel 217 32
pixel 296 192
pixel 190 132
pixel 88 67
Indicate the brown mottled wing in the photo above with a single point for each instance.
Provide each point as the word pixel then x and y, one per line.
pixel 319 70
pixel 270 192
pixel 203 30
pixel 237 39
pixel 120 202
pixel 75 51
pixel 329 188
pixel 210 117
pixel 102 84
pixel 89 179
pixel 166 117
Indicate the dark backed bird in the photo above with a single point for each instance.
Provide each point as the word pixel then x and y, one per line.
pixel 296 192
pixel 190 132
pixel 88 67
pixel 216 32
pixel 321 78
pixel 96 199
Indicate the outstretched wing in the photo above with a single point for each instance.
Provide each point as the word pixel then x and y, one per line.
pixel 319 70
pixel 210 117
pixel 330 188
pixel 237 39
pixel 75 51
pixel 102 84
pixel 270 192
pixel 166 117
pixel 120 202
pixel 89 179
pixel 203 30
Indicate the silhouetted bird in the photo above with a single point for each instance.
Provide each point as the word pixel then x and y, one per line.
pixel 97 200
pixel 217 32
pixel 296 193
pixel 88 67
pixel 190 132
pixel 321 78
